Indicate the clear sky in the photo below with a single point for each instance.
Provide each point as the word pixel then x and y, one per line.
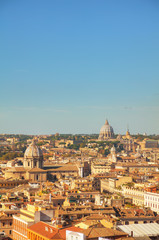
pixel 67 65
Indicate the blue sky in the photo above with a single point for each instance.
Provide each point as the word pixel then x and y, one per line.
pixel 66 66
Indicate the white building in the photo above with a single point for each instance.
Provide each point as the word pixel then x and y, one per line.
pixel 71 235
pixel 151 200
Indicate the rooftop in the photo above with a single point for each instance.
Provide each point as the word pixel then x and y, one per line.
pixel 141 230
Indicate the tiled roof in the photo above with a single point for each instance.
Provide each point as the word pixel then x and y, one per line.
pixel 95 217
pixel 50 232
pixel 36 170
pixel 16 169
pixel 96 232
pixel 64 168
pixel 45 230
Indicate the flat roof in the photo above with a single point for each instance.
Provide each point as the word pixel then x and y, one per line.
pixel 140 230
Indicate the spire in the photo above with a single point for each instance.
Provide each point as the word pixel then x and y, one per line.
pixel 127 132
pixel 127 127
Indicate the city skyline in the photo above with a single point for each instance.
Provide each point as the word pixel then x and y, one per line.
pixel 68 66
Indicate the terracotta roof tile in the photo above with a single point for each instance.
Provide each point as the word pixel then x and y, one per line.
pixel 37 170
pixel 44 229
pixel 96 232
pixel 64 168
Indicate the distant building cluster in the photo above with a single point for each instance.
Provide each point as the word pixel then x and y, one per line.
pixel 82 187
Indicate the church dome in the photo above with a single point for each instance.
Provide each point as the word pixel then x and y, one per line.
pixel 33 151
pixel 106 128
pixel 106 131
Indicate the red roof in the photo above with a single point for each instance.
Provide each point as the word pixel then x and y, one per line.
pixel 45 230
pixel 50 232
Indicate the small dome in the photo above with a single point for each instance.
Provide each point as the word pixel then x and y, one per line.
pixel 33 151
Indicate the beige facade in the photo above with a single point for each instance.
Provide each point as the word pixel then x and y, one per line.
pixel 66 170
pixel 82 184
pixel 15 173
pixel 112 184
pixel 37 175
pixel 6 223
pixel 138 167
pixel 11 183
pixel 99 168
pixel 137 195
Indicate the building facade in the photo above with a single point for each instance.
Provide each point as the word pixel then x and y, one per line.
pixel 151 200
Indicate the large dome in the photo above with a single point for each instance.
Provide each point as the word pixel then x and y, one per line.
pixel 106 131
pixel 33 151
